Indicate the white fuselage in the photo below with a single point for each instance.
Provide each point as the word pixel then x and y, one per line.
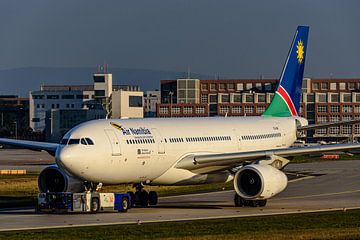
pixel 146 150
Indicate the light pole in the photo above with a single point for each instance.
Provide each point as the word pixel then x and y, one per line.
pixel 171 93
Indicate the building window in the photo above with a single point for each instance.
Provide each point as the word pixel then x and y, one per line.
pixel 268 87
pixel 248 86
pixel 204 86
pixel 35 120
pixel 188 110
pixel 357 108
pixel 351 86
pixel 67 105
pixel 357 97
pixel 52 97
pixel 230 86
pixel 164 110
pixel 237 98
pixel 346 117
pixel 37 105
pixel 334 130
pixel 224 109
pixel 175 110
pixel 240 87
pixel 200 110
pixel 324 86
pixel 334 108
pixel 204 98
pixel 42 105
pixel 310 98
pixel 321 131
pixel 322 98
pixel 236 109
pixel 38 96
pixel 99 79
pixel 225 98
pixel 334 118
pixel 322 108
pixel 357 129
pixel 213 98
pixel 72 105
pixel 347 97
pixel 261 98
pixel 249 109
pixel 332 86
pixel 135 101
pixel 347 108
pixel 334 97
pixel 260 109
pixel 249 98
pixel 258 86
pixel 57 105
pixel 68 96
pixel 321 119
pixel 222 86
pixel 316 86
pixel 342 86
pixel 52 105
pixel 346 129
pixel 212 87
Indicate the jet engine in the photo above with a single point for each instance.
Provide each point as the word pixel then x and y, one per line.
pixel 259 181
pixel 53 179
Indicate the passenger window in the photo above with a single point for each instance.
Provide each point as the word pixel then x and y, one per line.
pixel 73 141
pixel 89 141
pixel 83 142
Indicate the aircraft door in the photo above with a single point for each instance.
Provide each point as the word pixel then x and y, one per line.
pixel 114 142
pixel 159 140
pixel 237 139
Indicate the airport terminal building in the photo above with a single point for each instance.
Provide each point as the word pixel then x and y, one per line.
pixel 58 108
pixel 323 100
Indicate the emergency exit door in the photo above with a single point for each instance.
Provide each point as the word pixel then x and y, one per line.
pixel 114 142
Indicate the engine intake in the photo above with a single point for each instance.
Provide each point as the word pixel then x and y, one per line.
pixel 52 179
pixel 259 181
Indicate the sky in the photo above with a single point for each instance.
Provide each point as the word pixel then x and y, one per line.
pixel 226 38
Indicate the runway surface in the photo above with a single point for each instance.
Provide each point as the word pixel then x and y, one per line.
pixel 324 186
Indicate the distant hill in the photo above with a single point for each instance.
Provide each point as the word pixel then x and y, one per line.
pixel 19 81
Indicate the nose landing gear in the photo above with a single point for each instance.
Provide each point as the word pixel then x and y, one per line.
pixel 142 198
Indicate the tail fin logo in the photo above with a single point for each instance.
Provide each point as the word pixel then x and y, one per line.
pixel 300 51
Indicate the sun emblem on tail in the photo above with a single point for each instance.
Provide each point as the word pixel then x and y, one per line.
pixel 300 51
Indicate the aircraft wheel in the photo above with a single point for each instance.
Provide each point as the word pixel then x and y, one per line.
pixel 132 197
pixel 153 198
pixel 144 198
pixel 124 204
pixel 239 201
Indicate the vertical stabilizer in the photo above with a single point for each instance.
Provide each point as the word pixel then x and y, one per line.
pixel 286 101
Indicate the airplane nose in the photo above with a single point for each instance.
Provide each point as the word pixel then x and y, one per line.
pixel 63 158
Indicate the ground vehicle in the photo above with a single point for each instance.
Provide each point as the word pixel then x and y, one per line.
pixel 63 202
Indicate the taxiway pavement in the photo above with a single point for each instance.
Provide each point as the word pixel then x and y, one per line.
pixel 325 186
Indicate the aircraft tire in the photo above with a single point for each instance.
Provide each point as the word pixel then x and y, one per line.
pixel 238 201
pixel 153 198
pixel 144 198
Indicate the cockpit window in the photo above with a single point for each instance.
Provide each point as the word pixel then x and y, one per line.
pixel 73 141
pixel 83 141
pixel 89 141
pixel 64 141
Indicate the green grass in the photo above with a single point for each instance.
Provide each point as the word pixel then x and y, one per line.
pixel 329 225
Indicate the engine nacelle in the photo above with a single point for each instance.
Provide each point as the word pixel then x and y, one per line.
pixel 53 179
pixel 259 181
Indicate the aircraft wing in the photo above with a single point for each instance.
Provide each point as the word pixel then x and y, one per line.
pixel 327 124
pixel 221 161
pixel 32 145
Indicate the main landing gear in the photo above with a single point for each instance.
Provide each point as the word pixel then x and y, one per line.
pixel 142 198
pixel 241 202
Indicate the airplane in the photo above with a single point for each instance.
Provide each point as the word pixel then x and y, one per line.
pixel 250 151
